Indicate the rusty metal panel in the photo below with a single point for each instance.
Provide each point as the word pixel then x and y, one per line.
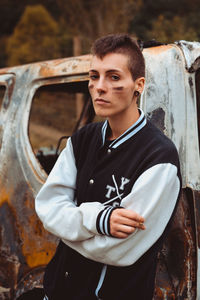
pixel 25 247
pixel 170 102
pixel 191 55
pixel 176 270
pixel 171 89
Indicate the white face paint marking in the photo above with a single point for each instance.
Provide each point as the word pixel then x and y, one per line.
pixel 111 189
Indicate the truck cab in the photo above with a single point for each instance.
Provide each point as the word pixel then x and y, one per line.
pixel 41 105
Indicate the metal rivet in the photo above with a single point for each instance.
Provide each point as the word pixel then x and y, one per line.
pixel 66 274
pixel 91 181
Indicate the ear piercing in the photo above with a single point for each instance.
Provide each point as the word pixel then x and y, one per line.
pixel 136 94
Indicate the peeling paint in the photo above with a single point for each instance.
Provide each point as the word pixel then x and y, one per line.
pixel 191 84
pixel 157 117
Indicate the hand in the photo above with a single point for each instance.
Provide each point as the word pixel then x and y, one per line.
pixel 123 222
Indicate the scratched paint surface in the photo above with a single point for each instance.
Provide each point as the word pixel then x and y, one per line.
pixel 169 101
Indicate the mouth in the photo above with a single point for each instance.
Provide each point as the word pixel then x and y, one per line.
pixel 101 101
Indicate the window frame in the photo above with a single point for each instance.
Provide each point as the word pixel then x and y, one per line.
pixel 197 84
pixel 24 128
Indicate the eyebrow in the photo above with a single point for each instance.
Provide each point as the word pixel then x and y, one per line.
pixel 108 71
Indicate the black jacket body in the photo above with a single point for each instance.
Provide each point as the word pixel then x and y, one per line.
pixel 70 275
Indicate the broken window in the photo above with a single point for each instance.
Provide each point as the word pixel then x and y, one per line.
pixel 198 101
pixel 2 93
pixel 57 111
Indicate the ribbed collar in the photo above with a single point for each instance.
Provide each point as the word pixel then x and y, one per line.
pixel 138 125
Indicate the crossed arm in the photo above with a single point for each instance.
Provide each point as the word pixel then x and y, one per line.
pixel 124 222
pixel 129 240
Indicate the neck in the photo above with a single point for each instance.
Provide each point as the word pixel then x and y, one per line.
pixel 120 124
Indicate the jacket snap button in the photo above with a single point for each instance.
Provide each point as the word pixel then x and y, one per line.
pixel 66 274
pixel 91 181
pixel 109 151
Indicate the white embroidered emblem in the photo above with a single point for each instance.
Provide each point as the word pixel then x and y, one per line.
pixel 115 189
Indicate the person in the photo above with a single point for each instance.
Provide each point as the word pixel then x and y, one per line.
pixel 112 193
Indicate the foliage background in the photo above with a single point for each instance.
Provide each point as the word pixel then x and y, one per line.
pixel 33 30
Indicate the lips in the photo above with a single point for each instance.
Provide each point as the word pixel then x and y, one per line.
pixel 101 101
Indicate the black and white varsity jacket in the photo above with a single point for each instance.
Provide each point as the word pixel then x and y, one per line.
pixel 138 171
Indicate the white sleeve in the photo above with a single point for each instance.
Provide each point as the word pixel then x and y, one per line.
pixel 153 196
pixel 55 204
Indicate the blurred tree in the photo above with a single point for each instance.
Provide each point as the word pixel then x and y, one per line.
pixel 3 42
pixel 65 40
pixel 11 11
pixel 35 37
pixel 8 19
pixel 193 21
pixel 157 15
pixel 167 31
pixel 89 19
pixel 9 16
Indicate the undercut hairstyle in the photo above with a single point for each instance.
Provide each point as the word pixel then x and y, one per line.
pixel 123 44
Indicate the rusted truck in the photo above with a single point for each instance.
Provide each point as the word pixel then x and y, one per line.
pixel 41 104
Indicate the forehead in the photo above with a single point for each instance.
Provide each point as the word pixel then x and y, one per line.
pixel 111 61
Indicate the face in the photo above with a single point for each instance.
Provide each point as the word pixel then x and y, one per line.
pixel 112 87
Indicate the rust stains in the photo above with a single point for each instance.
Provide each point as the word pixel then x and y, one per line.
pixel 69 66
pixel 158 50
pixel 176 275
pixel 4 196
pixel 36 251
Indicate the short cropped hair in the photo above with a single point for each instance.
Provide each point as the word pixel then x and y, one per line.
pixel 123 44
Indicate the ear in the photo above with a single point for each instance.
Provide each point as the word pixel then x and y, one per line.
pixel 139 84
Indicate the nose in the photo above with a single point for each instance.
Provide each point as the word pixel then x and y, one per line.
pixel 101 85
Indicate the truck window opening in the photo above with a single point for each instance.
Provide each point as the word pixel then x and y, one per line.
pixel 54 116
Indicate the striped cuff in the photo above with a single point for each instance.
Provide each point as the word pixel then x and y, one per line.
pixel 103 220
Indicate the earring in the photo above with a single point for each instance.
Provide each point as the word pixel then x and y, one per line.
pixel 136 94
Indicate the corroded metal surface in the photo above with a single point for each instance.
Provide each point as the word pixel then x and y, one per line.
pixel 176 271
pixel 169 101
pixel 171 87
pixel 25 247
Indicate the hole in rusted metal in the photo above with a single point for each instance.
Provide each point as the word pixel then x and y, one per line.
pixel 157 117
pixel 34 294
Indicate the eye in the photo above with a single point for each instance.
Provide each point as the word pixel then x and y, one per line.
pixel 93 76
pixel 115 77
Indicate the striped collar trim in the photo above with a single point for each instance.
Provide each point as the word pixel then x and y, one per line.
pixel 131 131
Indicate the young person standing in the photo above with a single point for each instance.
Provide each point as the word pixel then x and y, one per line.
pixel 112 193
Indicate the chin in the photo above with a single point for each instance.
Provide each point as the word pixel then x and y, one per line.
pixel 102 114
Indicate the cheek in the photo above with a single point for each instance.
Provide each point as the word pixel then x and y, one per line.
pixel 91 89
pixel 123 92
pixel 118 88
pixel 125 87
pixel 90 86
